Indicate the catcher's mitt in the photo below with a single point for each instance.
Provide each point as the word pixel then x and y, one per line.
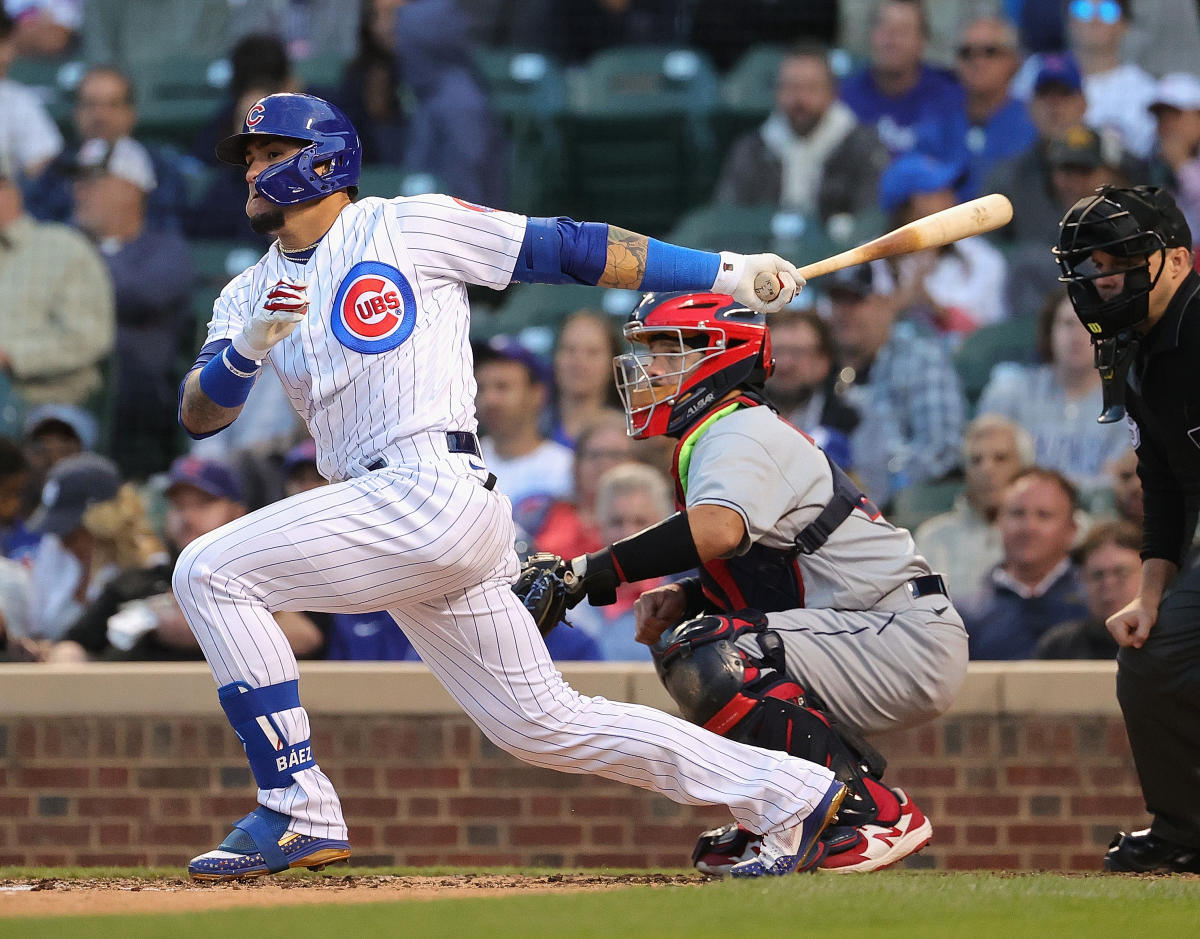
pixel 542 589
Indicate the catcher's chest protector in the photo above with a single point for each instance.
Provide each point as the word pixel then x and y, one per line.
pixel 766 579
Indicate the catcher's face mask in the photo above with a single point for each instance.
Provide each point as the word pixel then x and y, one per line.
pixel 651 379
pixel 688 351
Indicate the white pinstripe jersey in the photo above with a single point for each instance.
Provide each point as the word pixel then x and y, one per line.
pixel 384 351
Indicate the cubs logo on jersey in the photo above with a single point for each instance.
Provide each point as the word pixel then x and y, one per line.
pixel 374 310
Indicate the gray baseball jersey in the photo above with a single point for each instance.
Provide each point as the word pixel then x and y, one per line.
pixel 778 481
pixel 878 657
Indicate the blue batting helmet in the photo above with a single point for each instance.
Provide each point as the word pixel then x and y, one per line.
pixel 330 136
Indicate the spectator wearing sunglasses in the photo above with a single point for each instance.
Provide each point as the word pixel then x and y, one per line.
pixel 1118 91
pixel 989 125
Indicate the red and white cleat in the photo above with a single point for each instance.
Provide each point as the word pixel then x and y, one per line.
pixel 880 846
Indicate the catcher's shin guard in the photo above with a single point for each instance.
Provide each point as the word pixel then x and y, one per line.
pixel 750 699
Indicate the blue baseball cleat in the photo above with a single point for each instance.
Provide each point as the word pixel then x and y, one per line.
pixel 784 851
pixel 259 844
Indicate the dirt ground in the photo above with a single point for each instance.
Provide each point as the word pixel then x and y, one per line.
pixel 54 897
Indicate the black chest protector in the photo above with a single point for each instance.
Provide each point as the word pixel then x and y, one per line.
pixel 767 579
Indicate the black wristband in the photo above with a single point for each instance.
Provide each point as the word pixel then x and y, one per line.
pixel 694 599
pixel 665 548
pixel 600 578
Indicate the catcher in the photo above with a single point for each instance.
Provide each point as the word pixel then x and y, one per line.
pixel 813 621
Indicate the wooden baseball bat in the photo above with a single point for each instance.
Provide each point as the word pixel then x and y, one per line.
pixel 987 213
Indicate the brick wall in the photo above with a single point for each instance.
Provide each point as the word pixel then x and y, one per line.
pixel 1004 790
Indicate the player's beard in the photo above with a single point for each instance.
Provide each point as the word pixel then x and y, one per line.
pixel 265 223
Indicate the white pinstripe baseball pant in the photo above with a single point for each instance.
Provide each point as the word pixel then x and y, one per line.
pixel 428 542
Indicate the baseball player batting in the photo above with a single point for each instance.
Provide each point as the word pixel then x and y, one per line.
pixel 361 308
pixel 813 621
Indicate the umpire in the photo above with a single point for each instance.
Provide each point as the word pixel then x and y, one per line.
pixel 1126 258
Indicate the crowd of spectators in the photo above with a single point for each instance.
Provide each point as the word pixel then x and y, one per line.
pixel 880 112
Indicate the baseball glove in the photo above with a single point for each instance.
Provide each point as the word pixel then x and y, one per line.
pixel 542 589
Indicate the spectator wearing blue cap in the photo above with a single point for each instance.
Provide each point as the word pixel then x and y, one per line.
pixel 951 290
pixel 53 432
pixel 300 472
pixel 71 564
pixel 135 615
pixel 989 125
pixel 512 395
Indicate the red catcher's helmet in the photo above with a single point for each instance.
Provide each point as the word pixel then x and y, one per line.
pixel 717 345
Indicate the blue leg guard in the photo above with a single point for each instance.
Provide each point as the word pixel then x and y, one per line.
pixel 273 761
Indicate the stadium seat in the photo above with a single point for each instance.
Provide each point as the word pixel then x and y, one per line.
pixel 178 96
pixel 54 83
pixel 746 229
pixel 529 92
pixel 523 84
pixel 12 409
pixel 390 181
pixel 921 501
pixel 321 73
pixel 749 87
pixel 637 143
pixel 645 80
pixel 1011 340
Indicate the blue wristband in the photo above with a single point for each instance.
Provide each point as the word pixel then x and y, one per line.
pixel 671 267
pixel 228 378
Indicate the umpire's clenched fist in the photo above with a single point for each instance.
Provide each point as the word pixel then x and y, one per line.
pixel 273 319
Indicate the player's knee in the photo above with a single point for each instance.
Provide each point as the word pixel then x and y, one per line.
pixel 193 575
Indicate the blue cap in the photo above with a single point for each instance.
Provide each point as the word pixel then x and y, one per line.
pixel 79 421
pixel 507 349
pixel 912 174
pixel 72 485
pixel 1058 68
pixel 301 453
pixel 217 479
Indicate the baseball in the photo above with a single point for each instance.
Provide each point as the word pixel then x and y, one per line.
pixel 766 286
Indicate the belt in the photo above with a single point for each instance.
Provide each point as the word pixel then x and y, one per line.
pixel 457 441
pixel 924 586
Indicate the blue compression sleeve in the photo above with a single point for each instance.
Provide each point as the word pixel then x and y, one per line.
pixel 670 267
pixel 562 251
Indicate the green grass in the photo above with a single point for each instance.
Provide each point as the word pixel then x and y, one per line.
pixel 919 903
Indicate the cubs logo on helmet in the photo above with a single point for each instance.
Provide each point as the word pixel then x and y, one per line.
pixel 374 310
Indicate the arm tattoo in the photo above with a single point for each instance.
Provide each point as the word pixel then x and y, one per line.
pixel 625 265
